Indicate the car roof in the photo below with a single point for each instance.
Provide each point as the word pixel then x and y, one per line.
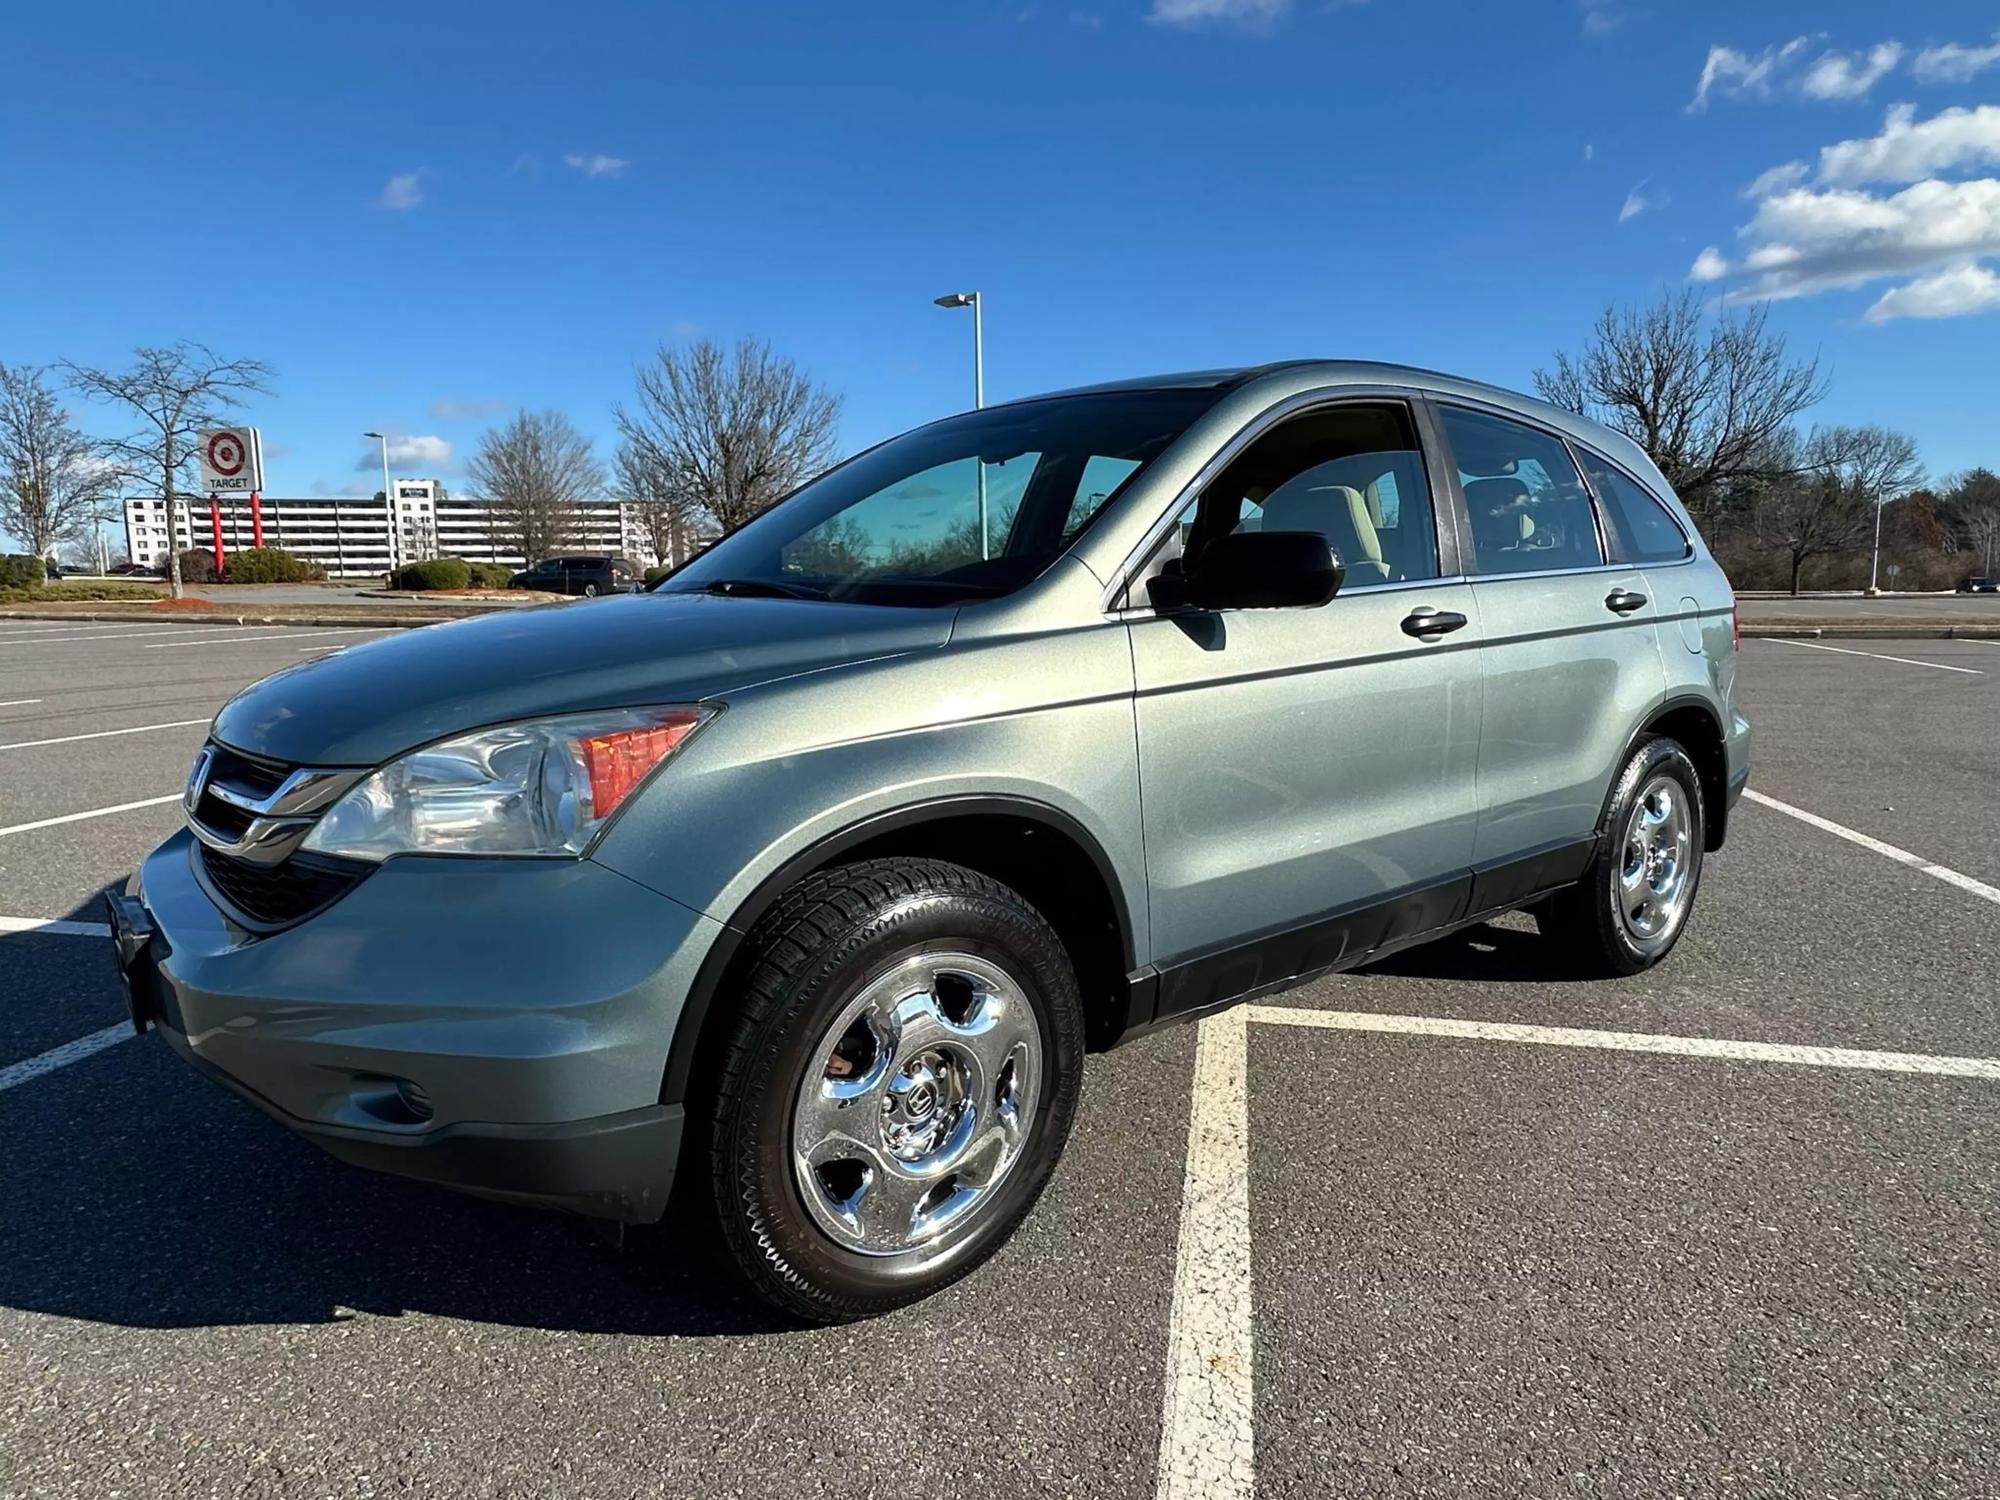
pixel 1306 374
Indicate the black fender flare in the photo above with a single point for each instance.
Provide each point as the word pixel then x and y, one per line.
pixel 827 850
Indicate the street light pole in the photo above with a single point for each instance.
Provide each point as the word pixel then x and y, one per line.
pixel 972 300
pixel 388 502
pixel 1875 557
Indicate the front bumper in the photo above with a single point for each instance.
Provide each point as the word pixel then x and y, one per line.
pixel 496 1026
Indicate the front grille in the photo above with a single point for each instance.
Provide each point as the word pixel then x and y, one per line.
pixel 249 861
pixel 246 773
pixel 278 895
pixel 224 817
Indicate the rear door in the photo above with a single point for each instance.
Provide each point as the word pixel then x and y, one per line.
pixel 1306 775
pixel 1568 654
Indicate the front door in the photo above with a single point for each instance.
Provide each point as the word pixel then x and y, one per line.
pixel 1306 775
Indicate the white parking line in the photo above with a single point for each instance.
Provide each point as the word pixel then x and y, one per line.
pixel 1207 1439
pixel 1633 1041
pixel 29 1069
pixel 1207 1445
pixel 1937 871
pixel 294 635
pixel 95 812
pixel 1908 661
pixel 15 926
pixel 103 734
pixel 18 702
pixel 123 635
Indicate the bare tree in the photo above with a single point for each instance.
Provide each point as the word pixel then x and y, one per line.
pixel 1706 400
pixel 535 470
pixel 667 513
pixel 175 390
pixel 729 433
pixel 54 485
pixel 1971 511
pixel 1825 496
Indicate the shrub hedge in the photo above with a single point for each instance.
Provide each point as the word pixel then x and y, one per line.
pixel 433 573
pixel 197 566
pixel 20 570
pixel 269 565
pixel 490 575
pixel 654 575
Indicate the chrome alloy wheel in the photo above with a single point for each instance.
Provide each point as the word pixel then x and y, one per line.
pixel 1653 879
pixel 917 1103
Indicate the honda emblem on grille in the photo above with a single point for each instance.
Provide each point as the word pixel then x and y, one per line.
pixel 197 778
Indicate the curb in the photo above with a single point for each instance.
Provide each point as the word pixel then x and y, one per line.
pixel 1906 630
pixel 204 617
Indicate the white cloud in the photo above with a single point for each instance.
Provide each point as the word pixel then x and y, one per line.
pixel 404 192
pixel 596 165
pixel 447 410
pixel 1909 149
pixel 1088 20
pixel 1777 180
pixel 1955 292
pixel 1253 14
pixel 1807 240
pixel 1954 63
pixel 1732 74
pixel 1841 75
pixel 1589 152
pixel 410 451
pixel 1710 265
pixel 1600 17
pixel 1824 231
pixel 1638 202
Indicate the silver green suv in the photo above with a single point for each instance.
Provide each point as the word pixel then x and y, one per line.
pixel 805 880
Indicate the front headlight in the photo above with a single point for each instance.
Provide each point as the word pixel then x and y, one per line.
pixel 542 786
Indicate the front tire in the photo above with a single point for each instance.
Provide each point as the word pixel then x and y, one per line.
pixel 1634 901
pixel 896 1088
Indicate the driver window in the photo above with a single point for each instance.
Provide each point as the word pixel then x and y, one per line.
pixel 1353 472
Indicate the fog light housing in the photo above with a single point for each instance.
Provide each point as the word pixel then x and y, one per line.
pixel 415 1099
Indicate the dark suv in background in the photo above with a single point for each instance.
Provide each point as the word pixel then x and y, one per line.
pixel 589 576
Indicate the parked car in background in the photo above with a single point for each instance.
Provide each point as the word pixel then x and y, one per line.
pixel 1979 585
pixel 807 876
pixel 577 574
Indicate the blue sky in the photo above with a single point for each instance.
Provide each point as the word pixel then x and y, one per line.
pixel 425 215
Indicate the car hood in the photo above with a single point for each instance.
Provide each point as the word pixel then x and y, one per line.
pixel 380 698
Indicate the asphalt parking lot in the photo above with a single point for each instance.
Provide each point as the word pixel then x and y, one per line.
pixel 1458 1224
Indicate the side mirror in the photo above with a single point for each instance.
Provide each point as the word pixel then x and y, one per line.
pixel 1253 570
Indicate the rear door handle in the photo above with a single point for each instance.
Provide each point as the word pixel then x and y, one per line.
pixel 1624 601
pixel 1426 622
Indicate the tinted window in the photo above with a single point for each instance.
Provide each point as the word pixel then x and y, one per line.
pixel 967 508
pixel 1353 473
pixel 1529 510
pixel 1649 533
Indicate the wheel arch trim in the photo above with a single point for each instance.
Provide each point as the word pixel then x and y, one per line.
pixel 828 849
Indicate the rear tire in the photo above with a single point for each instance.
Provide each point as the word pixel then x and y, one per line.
pixel 895 1088
pixel 1633 903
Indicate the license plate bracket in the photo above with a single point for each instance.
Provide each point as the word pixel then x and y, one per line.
pixel 132 934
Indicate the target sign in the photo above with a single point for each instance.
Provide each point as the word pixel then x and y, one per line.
pixel 232 458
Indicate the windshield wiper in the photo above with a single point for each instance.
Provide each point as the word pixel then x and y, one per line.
pixel 762 588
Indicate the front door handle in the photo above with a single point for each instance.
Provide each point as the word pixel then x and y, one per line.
pixel 1624 601
pixel 1427 622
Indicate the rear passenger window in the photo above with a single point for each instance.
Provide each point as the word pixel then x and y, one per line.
pixel 1352 472
pixel 1649 533
pixel 1529 510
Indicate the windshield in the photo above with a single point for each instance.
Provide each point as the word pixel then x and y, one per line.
pixel 968 508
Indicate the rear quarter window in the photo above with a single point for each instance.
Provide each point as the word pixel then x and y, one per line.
pixel 1648 530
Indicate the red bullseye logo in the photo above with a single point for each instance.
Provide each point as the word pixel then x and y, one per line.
pixel 225 454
